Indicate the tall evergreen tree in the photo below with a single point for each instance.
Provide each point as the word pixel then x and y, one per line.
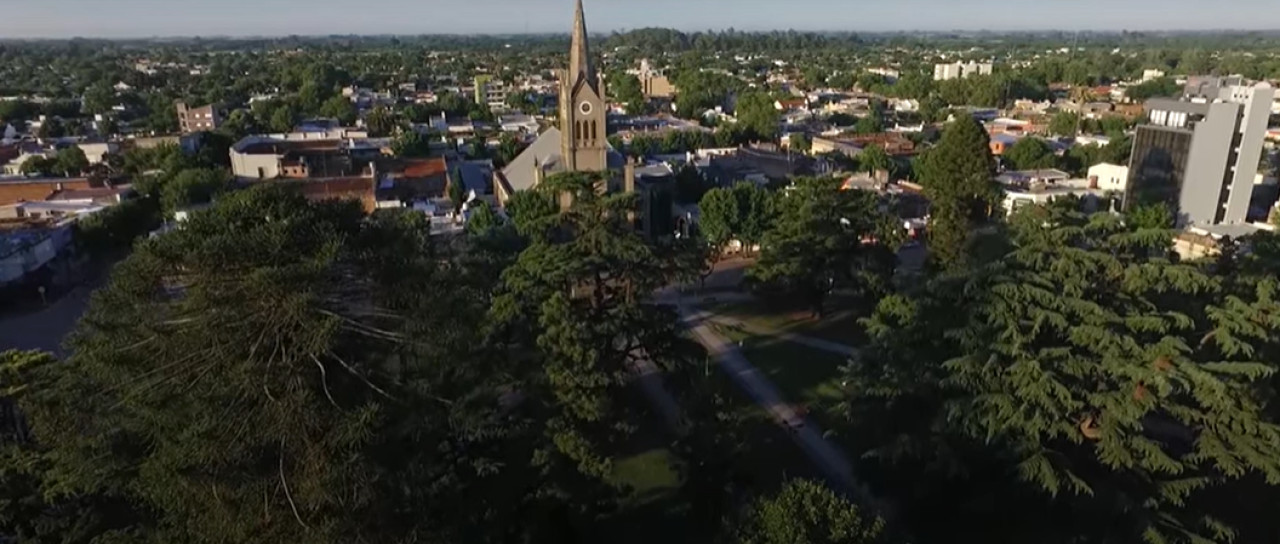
pixel 957 176
pixel 264 374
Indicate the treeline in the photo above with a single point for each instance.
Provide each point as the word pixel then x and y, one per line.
pixel 669 40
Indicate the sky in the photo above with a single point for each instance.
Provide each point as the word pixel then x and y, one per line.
pixel 149 18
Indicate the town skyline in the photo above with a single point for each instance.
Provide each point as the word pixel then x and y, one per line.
pixel 60 19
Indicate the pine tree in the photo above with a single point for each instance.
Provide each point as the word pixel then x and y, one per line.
pixel 958 179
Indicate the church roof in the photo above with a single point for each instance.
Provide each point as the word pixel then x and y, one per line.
pixel 519 173
pixel 544 151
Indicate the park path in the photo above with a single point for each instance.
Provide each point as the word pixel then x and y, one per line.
pixel 810 341
pixel 830 460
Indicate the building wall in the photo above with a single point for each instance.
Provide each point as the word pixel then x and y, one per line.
pixel 654 86
pixel 252 166
pixel 1157 166
pixel 1110 177
pixel 1253 130
pixel 1207 163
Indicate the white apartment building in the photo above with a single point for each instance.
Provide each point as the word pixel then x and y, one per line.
pixel 943 72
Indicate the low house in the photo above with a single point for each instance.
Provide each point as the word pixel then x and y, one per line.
pixel 1109 177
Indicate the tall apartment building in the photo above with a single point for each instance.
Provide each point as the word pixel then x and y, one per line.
pixel 490 92
pixel 943 72
pixel 199 119
pixel 1200 153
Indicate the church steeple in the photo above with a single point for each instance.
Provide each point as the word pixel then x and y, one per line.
pixel 583 121
pixel 580 65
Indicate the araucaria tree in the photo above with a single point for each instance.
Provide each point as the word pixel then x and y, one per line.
pixel 275 371
pixel 957 177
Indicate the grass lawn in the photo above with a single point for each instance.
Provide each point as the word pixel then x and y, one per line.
pixel 648 476
pixel 806 376
pixel 840 324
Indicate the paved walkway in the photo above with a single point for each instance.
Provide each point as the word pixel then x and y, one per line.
pixel 46 329
pixel 830 460
pixel 813 342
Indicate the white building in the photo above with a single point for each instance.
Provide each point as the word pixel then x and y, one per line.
pixel 1109 177
pixel 943 72
pixel 1148 75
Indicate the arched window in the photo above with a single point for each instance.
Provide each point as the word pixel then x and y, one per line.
pixel 593 131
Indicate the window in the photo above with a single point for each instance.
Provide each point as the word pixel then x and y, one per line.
pixel 593 130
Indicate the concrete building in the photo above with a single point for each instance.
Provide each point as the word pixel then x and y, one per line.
pixel 1200 154
pixel 490 92
pixel 957 70
pixel 652 82
pixel 1039 187
pixel 303 155
pixel 203 118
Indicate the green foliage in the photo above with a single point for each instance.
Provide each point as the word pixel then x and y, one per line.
pixel 283 119
pixel 1064 124
pixel 800 142
pixel 70 161
pixel 873 158
pixel 718 218
pixel 192 187
pixel 957 177
pixel 482 220
pixel 339 108
pixel 411 144
pixel 625 88
pixel 757 115
pixel 577 306
pixel 1160 87
pixel 1030 153
pixel 508 149
pixel 806 511
pixel 381 122
pixel 700 91
pixel 1087 364
pixel 299 318
pixel 116 227
pixel 823 239
pixel 1151 216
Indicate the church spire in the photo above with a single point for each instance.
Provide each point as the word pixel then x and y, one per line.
pixel 580 64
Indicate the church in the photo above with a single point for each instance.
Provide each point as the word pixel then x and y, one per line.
pixel 580 142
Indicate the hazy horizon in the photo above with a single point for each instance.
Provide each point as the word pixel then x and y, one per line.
pixel 122 19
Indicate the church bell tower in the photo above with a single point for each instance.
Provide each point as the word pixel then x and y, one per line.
pixel 583 132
